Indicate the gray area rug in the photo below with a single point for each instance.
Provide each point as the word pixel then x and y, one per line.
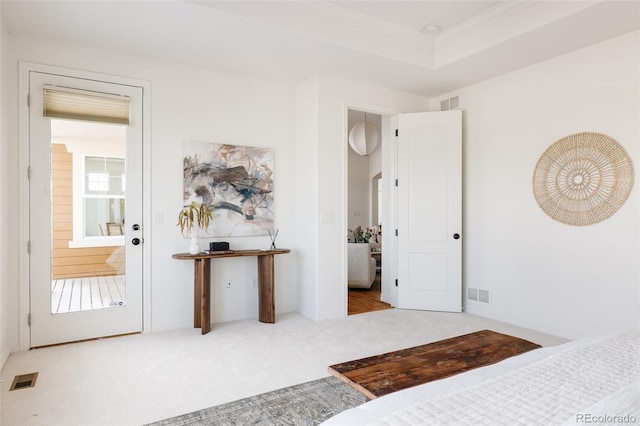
pixel 309 403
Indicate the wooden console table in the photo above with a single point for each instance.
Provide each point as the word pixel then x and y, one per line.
pixel 202 279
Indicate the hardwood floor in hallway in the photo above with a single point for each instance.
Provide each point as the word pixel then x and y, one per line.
pixel 363 300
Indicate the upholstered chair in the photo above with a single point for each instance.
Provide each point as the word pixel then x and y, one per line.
pixel 362 266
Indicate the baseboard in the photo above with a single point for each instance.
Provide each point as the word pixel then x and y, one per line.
pixel 174 325
pixel 4 356
pixel 331 315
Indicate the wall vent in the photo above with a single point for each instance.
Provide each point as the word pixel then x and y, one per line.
pixel 472 293
pixel 478 295
pixel 451 103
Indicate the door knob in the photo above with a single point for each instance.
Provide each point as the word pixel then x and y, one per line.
pixel 456 236
pixel 135 241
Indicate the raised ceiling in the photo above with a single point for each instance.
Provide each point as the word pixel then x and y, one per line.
pixel 384 43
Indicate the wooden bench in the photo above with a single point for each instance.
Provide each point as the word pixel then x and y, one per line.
pixel 383 374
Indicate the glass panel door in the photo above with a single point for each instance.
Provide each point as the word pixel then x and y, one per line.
pixel 85 224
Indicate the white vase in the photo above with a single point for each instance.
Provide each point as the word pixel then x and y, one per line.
pixel 194 245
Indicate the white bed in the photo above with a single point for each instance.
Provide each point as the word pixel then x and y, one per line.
pixel 589 381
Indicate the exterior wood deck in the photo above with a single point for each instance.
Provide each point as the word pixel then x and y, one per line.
pixel 83 294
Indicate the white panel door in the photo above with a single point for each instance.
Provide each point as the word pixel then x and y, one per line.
pixel 85 221
pixel 430 211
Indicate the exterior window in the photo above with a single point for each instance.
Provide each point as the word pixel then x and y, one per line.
pixel 98 182
pixel 103 196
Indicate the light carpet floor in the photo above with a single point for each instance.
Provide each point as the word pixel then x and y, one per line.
pixel 139 379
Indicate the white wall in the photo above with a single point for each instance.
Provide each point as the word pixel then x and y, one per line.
pixel 358 191
pixel 375 168
pixel 565 280
pixel 188 104
pixel 8 335
pixel 306 203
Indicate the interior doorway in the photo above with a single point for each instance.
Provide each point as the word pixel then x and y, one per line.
pixel 364 233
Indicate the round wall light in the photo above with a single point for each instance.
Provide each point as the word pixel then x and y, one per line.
pixel 364 138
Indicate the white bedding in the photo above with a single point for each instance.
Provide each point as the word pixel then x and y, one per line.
pixel 589 381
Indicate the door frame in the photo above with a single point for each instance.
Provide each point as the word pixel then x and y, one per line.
pixel 389 172
pixel 24 68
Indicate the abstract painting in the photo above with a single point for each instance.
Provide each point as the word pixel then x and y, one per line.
pixel 235 182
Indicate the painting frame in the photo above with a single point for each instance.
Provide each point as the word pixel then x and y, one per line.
pixel 235 182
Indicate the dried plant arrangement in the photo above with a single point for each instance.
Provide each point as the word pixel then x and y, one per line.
pixel 194 213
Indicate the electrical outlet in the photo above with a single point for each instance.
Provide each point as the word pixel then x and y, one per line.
pixel 254 282
pixel 228 286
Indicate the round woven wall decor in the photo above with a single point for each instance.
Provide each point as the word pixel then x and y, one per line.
pixel 583 179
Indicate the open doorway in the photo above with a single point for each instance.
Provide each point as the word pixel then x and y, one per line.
pixel 365 220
